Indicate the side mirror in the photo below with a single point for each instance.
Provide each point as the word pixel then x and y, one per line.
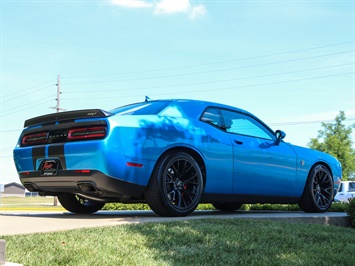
pixel 280 135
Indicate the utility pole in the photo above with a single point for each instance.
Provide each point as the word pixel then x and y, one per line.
pixel 58 94
pixel 58 109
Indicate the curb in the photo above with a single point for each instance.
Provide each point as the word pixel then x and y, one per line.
pixel 334 221
pixel 3 255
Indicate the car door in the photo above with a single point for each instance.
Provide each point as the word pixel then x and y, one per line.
pixel 262 167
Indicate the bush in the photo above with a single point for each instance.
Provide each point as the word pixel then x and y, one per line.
pixel 125 207
pixel 350 210
pixel 336 207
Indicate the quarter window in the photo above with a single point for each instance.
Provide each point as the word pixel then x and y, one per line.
pixel 241 124
pixel 212 116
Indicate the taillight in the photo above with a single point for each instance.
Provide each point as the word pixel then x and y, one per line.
pixel 34 139
pixel 139 165
pixel 87 133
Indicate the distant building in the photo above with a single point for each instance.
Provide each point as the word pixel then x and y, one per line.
pixel 13 190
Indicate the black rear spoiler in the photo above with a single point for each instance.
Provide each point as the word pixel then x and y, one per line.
pixel 72 115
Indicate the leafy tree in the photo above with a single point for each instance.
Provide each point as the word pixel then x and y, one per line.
pixel 335 139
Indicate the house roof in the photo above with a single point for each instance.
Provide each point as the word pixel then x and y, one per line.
pixel 14 184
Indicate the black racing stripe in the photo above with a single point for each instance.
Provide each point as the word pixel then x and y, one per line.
pixel 37 153
pixel 58 151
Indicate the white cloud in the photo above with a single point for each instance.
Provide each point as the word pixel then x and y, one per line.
pixel 131 3
pixel 197 11
pixel 172 6
pixel 161 7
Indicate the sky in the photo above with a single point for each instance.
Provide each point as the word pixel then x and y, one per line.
pixel 291 63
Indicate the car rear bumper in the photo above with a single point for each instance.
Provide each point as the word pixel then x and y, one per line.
pixel 90 184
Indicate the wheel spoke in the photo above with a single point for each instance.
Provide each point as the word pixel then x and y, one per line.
pixel 181 183
pixel 328 191
pixel 191 180
pixel 322 188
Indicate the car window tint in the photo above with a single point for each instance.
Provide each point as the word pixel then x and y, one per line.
pixel 145 108
pixel 212 116
pixel 352 186
pixel 241 124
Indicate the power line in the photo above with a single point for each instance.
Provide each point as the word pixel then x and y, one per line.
pixel 29 93
pixel 32 104
pixel 213 63
pixel 226 88
pixel 27 89
pixel 10 130
pixel 10 113
pixel 297 123
pixel 213 81
pixel 212 71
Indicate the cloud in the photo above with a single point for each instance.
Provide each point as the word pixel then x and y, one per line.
pixel 165 7
pixel 131 3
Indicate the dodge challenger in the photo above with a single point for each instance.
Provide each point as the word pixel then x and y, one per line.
pixel 172 155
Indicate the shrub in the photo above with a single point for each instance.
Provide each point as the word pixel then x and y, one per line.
pixel 350 210
pixel 125 207
pixel 338 207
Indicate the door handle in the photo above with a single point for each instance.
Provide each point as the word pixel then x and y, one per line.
pixel 238 142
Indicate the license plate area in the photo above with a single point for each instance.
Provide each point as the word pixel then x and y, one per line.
pixel 49 167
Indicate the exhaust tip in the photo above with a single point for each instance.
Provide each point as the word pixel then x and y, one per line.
pixel 30 187
pixel 88 187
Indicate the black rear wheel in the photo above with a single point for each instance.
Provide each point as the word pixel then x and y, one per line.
pixel 79 205
pixel 319 190
pixel 176 186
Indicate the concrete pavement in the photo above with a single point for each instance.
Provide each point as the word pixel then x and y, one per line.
pixel 15 222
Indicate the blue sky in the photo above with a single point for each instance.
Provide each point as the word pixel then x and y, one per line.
pixel 291 63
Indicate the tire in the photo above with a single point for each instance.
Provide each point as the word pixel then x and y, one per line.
pixel 79 205
pixel 176 185
pixel 319 190
pixel 227 206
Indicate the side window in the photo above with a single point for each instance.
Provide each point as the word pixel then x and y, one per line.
pixel 212 116
pixel 352 186
pixel 241 124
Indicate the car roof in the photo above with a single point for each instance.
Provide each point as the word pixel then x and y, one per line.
pixel 200 105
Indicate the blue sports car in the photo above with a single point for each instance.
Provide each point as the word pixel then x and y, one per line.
pixel 173 155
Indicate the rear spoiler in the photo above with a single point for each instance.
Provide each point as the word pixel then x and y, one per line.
pixel 72 115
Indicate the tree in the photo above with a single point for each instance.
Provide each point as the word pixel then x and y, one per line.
pixel 335 139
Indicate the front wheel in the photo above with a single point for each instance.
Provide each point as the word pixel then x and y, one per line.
pixel 79 205
pixel 319 190
pixel 176 185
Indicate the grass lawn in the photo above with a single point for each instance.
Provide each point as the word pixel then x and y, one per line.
pixel 193 242
pixel 29 203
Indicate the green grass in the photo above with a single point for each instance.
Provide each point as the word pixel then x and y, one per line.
pixel 193 242
pixel 46 204
pixel 29 204
pixel 27 200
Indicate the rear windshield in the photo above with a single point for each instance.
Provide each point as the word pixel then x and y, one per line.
pixel 145 108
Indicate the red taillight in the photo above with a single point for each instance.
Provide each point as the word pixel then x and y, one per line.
pixel 82 171
pixel 87 133
pixel 34 139
pixel 139 165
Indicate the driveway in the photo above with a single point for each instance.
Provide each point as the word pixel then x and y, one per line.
pixel 13 223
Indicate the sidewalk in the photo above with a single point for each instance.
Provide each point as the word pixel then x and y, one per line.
pixel 25 222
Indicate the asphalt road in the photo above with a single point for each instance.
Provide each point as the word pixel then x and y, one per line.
pixel 14 223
